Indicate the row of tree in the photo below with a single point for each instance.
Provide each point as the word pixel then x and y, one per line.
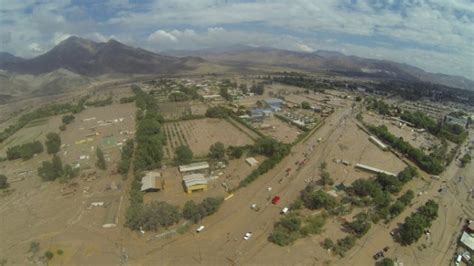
pixel 126 157
pixel 159 214
pixel 24 151
pixel 416 224
pixel 274 150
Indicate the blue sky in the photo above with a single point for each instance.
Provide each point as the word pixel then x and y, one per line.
pixel 436 35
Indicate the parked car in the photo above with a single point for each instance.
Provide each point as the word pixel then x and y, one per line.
pixel 285 210
pixel 200 228
pixel 248 235
pixel 276 199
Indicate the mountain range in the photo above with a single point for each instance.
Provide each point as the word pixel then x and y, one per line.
pixel 325 61
pixel 89 58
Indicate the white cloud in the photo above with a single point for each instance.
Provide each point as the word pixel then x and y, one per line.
pixel 35 48
pixel 303 47
pixel 60 36
pixel 162 36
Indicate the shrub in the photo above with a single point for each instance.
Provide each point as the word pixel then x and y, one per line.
pixel 184 155
pixel 53 143
pixel 3 182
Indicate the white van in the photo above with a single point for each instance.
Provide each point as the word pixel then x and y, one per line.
pixel 285 210
pixel 200 228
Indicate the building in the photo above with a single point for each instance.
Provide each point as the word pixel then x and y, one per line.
pixel 460 121
pixel 379 143
pixel 274 102
pixel 467 240
pixel 373 169
pixel 150 182
pixel 194 168
pixel 251 161
pixel 195 182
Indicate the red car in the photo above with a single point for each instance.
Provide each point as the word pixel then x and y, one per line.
pixel 275 200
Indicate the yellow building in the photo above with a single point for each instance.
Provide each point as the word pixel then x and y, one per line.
pixel 195 182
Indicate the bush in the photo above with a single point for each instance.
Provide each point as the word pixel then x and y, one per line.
pixel 328 243
pixel 157 214
pixel 217 112
pixel 286 231
pixel 305 105
pixel 100 159
pixel 466 159
pixel 49 255
pixel 234 152
pixel 25 151
pixel 386 262
pixel 50 171
pixel 217 151
pixel 53 143
pixel 345 244
pixel 3 182
pixel 67 119
pixel 62 127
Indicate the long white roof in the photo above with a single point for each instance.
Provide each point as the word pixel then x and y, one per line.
pixel 193 167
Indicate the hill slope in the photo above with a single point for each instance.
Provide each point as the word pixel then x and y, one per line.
pixel 90 58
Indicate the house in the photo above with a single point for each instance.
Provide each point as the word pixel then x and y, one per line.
pixel 195 182
pixel 251 161
pixel 194 167
pixel 150 182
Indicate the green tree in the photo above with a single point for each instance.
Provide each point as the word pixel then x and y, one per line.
pixel 466 159
pixel 100 159
pixel 217 151
pixel 53 143
pixel 305 105
pixel 57 166
pixel 3 182
pixel 68 119
pixel 191 211
pixel 184 154
pixel 46 171
pixel 234 152
pixel 386 262
pixel 328 243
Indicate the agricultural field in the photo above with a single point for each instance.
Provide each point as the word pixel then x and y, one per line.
pixel 200 134
pixel 177 110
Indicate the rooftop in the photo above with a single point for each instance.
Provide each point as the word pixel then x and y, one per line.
pixel 193 167
pixel 468 240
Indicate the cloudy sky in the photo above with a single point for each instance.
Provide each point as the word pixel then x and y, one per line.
pixel 436 35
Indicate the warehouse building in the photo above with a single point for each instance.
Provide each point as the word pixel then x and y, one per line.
pixel 150 182
pixel 379 143
pixel 200 167
pixel 373 169
pixel 195 182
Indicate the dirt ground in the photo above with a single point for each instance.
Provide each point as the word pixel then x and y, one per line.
pixel 200 134
pixel 60 217
pixel 279 130
pixel 175 194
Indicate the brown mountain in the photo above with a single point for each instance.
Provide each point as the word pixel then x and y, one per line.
pixel 91 58
pixel 326 61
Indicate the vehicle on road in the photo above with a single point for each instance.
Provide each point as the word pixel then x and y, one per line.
pixel 248 235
